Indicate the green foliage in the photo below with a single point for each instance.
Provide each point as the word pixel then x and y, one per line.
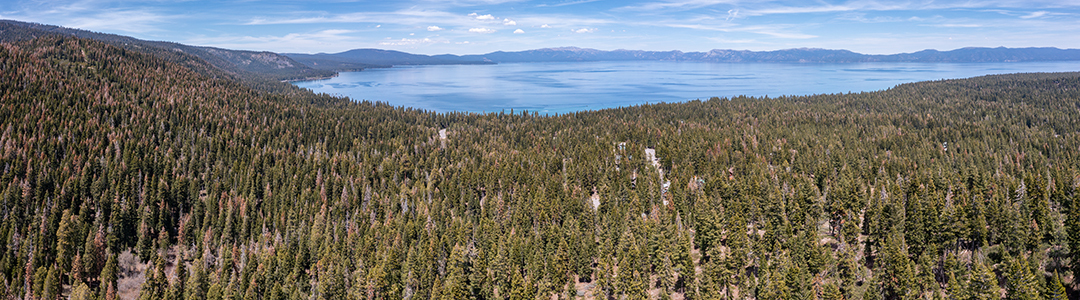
pixel 983 283
pixel 284 194
pixel 1055 290
pixel 52 287
pixel 1020 282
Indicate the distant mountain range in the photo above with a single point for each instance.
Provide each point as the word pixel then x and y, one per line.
pixel 264 65
pixel 384 58
pixel 377 58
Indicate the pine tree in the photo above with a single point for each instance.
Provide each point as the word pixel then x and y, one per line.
pixel 831 292
pixel 145 244
pixel 897 272
pixel 78 273
pixel 1072 224
pixel 775 287
pixel 874 289
pixel 177 288
pixel 957 287
pixel 110 292
pixel 110 273
pixel 52 287
pixel 81 292
pixel 983 284
pixel 1021 284
pixel 215 292
pixel 455 286
pixel 65 240
pixel 197 283
pixel 715 275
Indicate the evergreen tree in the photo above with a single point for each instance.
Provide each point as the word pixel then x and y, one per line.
pixel 831 292
pixel 111 272
pixel 456 285
pixel 1020 282
pixel 65 240
pixel 177 287
pixel 81 292
pixel 956 288
pixel 983 283
pixel 1055 290
pixel 52 286
pixel 897 272
pixel 1072 224
pixel 197 284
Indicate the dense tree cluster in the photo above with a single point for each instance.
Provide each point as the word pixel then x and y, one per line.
pixel 124 174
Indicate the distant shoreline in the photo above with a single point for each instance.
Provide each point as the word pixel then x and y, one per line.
pixel 318 77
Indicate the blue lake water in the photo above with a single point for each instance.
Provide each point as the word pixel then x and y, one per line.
pixel 575 86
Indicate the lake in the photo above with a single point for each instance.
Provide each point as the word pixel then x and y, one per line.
pixel 575 86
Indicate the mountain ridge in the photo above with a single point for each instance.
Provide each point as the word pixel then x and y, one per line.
pixel 792 55
pixel 250 65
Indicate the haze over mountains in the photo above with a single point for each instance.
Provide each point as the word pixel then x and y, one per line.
pixel 294 66
pixel 376 57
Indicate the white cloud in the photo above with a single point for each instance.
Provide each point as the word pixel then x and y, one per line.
pixel 293 42
pixel 487 17
pixel 137 21
pixel 509 22
pixel 405 42
pixel 676 5
pixel 566 3
pixel 731 14
pixel 1035 14
pixel 545 26
pixel 434 28
pixel 585 30
pixel 401 17
pixel 519 31
pixel 482 30
pixel 953 25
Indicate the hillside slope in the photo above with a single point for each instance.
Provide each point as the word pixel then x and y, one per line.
pixel 248 65
pixel 956 188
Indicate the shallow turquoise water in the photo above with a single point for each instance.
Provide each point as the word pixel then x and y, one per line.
pixel 575 86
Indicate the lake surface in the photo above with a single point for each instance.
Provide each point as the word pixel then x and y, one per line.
pixel 575 86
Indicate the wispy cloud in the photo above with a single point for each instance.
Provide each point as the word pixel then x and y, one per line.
pixel 482 30
pixel 566 3
pixel 675 5
pixel 482 17
pixel 137 21
pixel 1035 14
pixel 954 25
pixel 408 42
pixel 292 42
pixel 690 25
pixel 404 17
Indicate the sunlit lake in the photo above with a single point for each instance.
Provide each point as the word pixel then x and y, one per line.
pixel 575 86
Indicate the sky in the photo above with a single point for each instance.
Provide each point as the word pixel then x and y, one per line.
pixel 483 26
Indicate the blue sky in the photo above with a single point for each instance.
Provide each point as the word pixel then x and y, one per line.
pixel 482 26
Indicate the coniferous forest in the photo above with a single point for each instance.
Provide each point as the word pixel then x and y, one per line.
pixel 125 175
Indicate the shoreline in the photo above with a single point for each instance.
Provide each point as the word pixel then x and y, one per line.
pixel 312 78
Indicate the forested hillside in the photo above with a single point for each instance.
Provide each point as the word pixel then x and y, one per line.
pixel 126 175
pixel 252 67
